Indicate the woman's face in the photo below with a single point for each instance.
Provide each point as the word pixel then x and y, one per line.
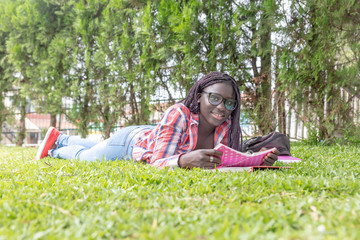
pixel 216 115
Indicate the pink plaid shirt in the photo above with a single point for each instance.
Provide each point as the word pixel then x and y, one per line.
pixel 176 134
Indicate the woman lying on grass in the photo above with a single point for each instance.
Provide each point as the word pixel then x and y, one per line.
pixel 185 136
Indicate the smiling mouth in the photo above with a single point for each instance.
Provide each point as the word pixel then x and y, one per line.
pixel 218 115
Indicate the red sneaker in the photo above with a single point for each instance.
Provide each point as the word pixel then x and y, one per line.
pixel 49 140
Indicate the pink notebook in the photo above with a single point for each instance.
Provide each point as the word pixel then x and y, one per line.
pixel 233 158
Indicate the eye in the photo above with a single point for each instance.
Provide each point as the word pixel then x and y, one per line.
pixel 215 97
pixel 230 104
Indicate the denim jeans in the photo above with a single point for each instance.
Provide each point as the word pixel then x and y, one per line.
pixel 119 146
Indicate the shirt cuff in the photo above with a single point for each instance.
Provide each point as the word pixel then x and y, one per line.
pixel 174 162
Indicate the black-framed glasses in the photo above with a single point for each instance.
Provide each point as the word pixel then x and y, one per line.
pixel 215 99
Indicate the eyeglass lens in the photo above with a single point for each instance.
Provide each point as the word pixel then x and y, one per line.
pixel 216 99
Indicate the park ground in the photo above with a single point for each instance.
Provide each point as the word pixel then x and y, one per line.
pixel 57 199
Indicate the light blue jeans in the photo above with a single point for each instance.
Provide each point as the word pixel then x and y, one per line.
pixel 119 146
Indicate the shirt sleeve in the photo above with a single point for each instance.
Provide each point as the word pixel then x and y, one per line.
pixel 167 138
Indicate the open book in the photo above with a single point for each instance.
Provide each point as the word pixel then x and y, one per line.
pixel 248 169
pixel 233 158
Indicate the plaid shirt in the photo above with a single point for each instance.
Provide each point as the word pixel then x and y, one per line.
pixel 176 134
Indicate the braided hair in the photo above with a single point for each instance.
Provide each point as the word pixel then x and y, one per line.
pixel 191 101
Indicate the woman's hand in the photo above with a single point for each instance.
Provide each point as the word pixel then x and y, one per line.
pixel 202 158
pixel 270 158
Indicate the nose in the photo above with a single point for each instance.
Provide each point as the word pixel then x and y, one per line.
pixel 221 106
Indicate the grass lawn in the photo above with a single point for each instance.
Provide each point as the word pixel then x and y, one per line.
pixel 58 199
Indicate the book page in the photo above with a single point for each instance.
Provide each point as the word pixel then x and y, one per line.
pixel 288 159
pixel 248 169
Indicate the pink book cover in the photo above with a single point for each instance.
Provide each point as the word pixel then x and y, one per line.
pixel 233 158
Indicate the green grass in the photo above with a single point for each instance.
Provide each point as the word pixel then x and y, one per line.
pixel 60 199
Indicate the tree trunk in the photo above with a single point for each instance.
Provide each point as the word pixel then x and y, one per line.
pixel 261 91
pixel 85 110
pixel 289 123
pixel 22 128
pixel 265 109
pixel 3 114
pixel 134 111
pixel 53 120
pixel 107 122
pixel 279 100
pixel 305 110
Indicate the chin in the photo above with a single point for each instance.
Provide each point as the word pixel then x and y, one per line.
pixel 216 122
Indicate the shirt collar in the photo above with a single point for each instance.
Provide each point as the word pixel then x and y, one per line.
pixel 194 118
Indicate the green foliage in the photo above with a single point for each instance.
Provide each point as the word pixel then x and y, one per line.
pixel 69 199
pixel 108 58
pixel 6 79
pixel 318 60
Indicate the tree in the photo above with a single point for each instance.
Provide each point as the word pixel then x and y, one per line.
pixel 6 77
pixel 256 22
pixel 311 61
pixel 53 23
pixel 18 48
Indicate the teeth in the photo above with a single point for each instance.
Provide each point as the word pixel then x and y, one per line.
pixel 218 115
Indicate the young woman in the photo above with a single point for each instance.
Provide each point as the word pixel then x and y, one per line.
pixel 185 137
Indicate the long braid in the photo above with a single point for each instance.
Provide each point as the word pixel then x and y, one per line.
pixel 191 102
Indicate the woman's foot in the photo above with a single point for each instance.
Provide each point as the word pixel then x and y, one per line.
pixel 48 143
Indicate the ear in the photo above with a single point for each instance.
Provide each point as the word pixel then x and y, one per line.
pixel 198 96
